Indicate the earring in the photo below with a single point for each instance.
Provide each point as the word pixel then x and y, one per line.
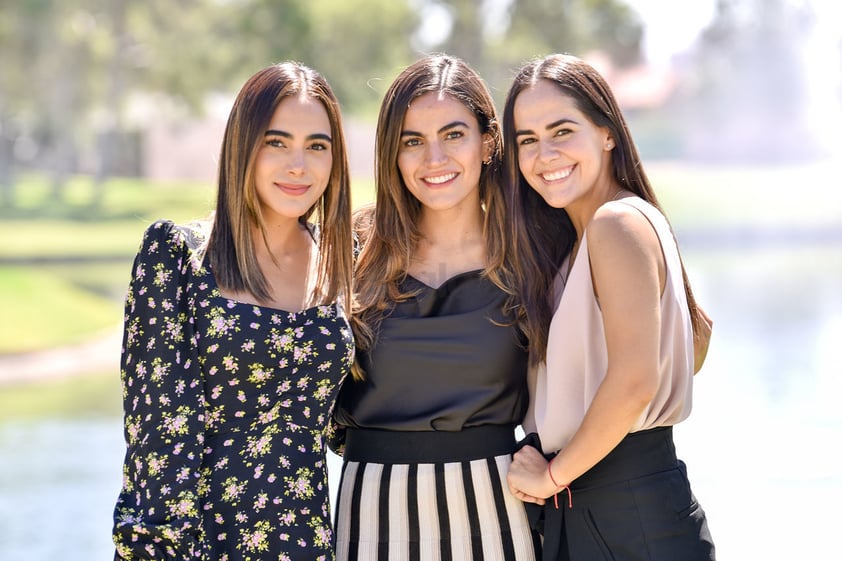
pixel 609 145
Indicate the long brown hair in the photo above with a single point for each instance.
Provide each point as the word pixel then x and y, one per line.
pixel 541 235
pixel 230 251
pixel 391 234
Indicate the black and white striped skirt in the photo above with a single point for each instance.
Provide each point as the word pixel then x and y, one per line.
pixel 444 508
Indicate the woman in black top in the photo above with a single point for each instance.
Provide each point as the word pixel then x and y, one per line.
pixel 429 419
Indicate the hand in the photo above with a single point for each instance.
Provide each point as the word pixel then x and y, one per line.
pixel 527 478
pixel 701 340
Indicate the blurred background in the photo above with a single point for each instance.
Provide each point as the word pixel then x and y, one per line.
pixel 111 116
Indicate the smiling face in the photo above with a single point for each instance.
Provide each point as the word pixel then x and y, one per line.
pixel 294 161
pixel 561 153
pixel 441 152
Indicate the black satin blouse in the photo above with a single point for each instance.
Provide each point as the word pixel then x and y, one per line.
pixel 441 363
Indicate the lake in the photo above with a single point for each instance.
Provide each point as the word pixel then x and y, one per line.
pixel 762 441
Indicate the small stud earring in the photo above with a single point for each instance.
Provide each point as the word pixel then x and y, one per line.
pixel 609 145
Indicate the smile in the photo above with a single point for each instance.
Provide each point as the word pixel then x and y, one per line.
pixel 439 179
pixel 557 175
pixel 293 188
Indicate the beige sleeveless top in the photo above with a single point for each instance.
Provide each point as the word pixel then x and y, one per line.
pixel 563 387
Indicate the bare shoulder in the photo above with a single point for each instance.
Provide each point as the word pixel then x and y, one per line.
pixel 621 225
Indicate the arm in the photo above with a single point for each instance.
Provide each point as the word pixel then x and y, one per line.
pixel 701 340
pixel 626 259
pixel 157 514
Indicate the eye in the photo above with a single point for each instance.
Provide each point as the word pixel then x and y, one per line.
pixel 319 146
pixel 563 132
pixel 452 135
pixel 276 142
pixel 525 141
pixel 410 142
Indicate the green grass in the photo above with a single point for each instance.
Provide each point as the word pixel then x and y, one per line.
pixel 93 395
pixel 43 310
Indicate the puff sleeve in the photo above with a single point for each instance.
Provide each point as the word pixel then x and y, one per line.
pixel 157 515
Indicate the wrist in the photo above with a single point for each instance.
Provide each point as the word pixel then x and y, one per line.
pixel 558 485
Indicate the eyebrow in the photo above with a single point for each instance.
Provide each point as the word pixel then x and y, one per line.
pixel 554 124
pixel 316 136
pixel 445 128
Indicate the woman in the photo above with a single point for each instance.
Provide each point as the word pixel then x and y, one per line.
pixel 235 342
pixel 430 420
pixel 618 347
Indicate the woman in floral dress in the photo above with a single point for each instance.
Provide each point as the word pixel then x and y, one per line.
pixel 236 342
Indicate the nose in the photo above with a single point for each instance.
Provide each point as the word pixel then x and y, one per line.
pixel 295 166
pixel 436 154
pixel 546 151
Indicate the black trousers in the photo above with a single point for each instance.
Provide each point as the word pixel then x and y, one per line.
pixel 634 505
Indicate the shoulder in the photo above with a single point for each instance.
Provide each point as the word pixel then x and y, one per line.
pixel 165 240
pixel 620 223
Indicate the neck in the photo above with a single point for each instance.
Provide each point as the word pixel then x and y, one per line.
pixel 286 238
pixel 582 211
pixel 451 228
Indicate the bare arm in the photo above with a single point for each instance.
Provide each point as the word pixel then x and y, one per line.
pixel 628 275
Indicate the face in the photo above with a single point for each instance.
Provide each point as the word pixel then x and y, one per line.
pixel 294 161
pixel 561 153
pixel 441 152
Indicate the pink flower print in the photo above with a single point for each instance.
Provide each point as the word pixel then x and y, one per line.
pixel 241 396
pixel 213 348
pixel 231 304
pixel 272 477
pixel 218 518
pixel 183 475
pixel 241 517
pixel 167 305
pixel 216 392
pixel 232 489
pixel 287 441
pixel 254 325
pixel 258 471
pixel 288 518
pixel 325 366
pixel 299 332
pixel 330 346
pixel 303 382
pixel 248 346
pixel 257 311
pixel 230 363
pixel 261 501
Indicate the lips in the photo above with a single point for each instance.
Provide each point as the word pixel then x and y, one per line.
pixel 293 188
pixel 437 180
pixel 557 175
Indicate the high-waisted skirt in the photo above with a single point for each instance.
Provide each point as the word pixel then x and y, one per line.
pixel 430 496
pixel 634 505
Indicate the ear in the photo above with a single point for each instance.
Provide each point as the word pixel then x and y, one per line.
pixel 487 148
pixel 609 143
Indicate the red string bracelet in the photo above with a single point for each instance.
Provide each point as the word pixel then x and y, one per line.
pixel 559 488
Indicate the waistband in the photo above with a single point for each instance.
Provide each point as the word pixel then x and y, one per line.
pixel 424 447
pixel 638 454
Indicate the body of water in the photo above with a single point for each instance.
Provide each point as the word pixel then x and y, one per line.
pixel 761 444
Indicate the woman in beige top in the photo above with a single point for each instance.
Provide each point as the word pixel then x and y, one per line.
pixel 614 358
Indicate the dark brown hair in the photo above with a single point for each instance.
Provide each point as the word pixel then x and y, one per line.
pixel 392 231
pixel 230 250
pixel 541 235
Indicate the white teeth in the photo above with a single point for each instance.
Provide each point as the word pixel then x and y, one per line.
pixel 556 175
pixel 440 178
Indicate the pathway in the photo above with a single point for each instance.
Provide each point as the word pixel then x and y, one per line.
pixel 99 354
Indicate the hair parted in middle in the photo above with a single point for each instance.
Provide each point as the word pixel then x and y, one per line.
pixel 390 228
pixel 542 235
pixel 230 248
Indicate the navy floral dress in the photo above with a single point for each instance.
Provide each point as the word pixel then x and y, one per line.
pixel 226 407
